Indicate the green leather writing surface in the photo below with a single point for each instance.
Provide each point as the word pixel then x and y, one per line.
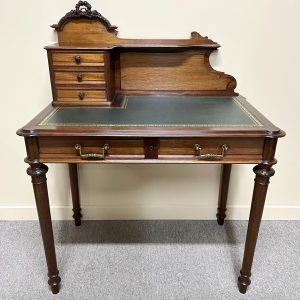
pixel 189 111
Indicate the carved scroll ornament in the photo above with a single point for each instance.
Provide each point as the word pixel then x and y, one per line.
pixel 83 10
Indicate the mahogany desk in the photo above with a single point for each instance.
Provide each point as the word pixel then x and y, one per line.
pixel 143 101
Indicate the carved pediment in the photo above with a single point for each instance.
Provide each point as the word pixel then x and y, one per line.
pixel 83 10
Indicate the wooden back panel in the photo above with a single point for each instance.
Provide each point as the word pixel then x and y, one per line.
pixel 183 71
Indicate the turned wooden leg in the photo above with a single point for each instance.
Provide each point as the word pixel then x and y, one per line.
pixel 223 193
pixel 38 171
pixel 75 194
pixel 263 173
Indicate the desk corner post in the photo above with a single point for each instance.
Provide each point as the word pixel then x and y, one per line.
pixel 37 171
pixel 223 193
pixel 263 172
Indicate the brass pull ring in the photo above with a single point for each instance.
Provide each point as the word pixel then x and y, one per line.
pixel 95 156
pixel 198 149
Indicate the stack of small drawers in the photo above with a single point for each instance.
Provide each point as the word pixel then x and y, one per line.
pixel 78 78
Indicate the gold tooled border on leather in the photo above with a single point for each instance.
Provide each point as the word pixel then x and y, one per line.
pixel 124 106
pixel 52 113
pixel 44 121
pixel 245 110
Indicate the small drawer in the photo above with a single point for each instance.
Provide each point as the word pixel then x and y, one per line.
pixel 217 149
pixel 78 59
pixel 81 95
pixel 79 77
pixel 91 149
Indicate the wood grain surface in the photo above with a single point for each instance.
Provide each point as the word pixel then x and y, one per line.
pixel 170 71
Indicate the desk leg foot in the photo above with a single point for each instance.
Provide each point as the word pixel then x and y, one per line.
pixel 77 221
pixel 263 173
pixel 54 282
pixel 220 220
pixel 38 171
pixel 243 283
pixel 223 193
pixel 75 194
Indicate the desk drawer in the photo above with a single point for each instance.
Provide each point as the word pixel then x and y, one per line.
pixel 78 59
pixel 212 148
pixel 55 149
pixel 80 95
pixel 79 78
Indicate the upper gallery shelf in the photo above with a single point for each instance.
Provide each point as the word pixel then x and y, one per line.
pixel 84 27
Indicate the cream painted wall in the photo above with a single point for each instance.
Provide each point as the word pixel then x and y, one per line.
pixel 261 47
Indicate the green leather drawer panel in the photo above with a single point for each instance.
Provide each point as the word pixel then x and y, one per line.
pixel 186 111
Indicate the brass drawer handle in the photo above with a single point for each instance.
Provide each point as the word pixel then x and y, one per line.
pixel 77 59
pixel 96 156
pixel 79 77
pixel 81 95
pixel 197 149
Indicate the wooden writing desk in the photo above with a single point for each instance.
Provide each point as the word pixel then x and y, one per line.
pixel 143 101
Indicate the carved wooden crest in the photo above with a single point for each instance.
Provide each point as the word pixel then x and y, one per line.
pixel 83 10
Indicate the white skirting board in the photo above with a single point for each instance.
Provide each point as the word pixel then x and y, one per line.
pixel 272 212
